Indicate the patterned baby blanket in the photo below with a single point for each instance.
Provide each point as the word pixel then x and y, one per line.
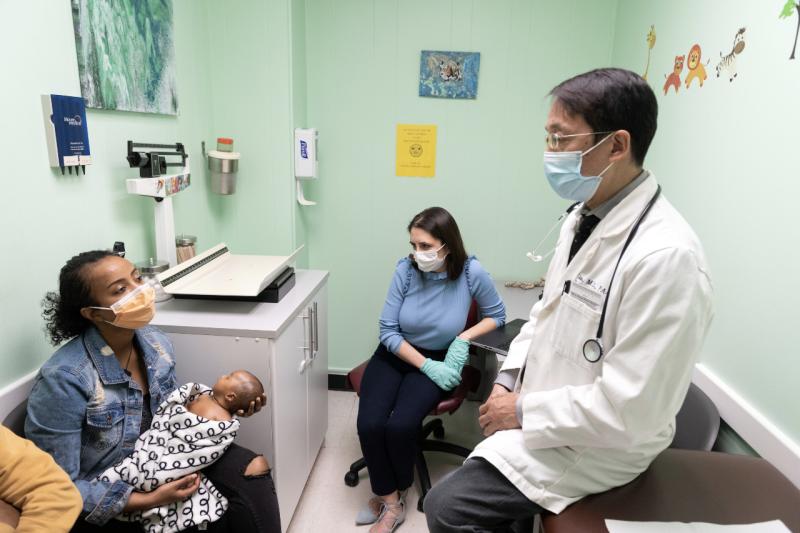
pixel 178 443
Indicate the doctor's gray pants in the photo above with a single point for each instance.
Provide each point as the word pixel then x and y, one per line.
pixel 477 498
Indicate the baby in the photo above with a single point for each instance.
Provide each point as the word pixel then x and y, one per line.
pixel 191 429
pixel 231 393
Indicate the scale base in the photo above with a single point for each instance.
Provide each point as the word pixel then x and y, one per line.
pixel 272 294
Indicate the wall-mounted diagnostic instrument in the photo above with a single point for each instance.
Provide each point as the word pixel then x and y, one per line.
pixel 163 172
pixel 66 132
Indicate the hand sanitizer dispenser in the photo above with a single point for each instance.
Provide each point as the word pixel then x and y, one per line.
pixel 305 160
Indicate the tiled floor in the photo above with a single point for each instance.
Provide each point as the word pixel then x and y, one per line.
pixel 327 504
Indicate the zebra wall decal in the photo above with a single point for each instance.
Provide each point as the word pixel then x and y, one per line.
pixel 727 63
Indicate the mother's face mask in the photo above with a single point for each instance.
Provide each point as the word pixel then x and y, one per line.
pixel 134 310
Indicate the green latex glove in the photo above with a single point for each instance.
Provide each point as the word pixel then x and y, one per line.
pixel 445 377
pixel 457 354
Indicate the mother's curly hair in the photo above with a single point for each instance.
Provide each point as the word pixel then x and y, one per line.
pixel 62 309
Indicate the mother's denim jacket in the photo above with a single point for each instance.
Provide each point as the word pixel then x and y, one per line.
pixel 86 411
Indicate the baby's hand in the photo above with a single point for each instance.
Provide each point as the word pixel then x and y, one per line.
pixel 255 406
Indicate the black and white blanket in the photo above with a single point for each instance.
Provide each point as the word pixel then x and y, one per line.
pixel 178 443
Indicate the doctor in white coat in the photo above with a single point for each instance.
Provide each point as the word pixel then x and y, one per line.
pixel 579 407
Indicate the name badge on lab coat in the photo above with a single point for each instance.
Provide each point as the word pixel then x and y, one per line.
pixel 588 291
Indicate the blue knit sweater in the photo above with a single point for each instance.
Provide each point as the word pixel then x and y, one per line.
pixel 428 310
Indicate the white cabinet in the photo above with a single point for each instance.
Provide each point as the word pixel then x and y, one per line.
pixel 317 372
pixel 286 346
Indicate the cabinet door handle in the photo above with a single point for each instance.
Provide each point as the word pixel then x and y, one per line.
pixel 310 311
pixel 306 340
pixel 315 323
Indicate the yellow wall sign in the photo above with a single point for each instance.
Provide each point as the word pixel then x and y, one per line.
pixel 416 150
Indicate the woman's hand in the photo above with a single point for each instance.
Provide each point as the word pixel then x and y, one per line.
pixel 457 354
pixel 174 491
pixel 441 374
pixel 255 406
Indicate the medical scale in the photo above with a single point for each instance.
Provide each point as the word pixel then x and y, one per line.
pixel 218 274
pixel 155 180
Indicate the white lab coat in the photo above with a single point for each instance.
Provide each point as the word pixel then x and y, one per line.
pixel 588 427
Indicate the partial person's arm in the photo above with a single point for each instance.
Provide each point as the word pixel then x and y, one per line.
pixel 56 410
pixel 9 517
pixel 389 322
pixel 491 306
pixel 33 483
pixel 662 321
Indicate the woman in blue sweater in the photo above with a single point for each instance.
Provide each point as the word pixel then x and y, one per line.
pixel 423 347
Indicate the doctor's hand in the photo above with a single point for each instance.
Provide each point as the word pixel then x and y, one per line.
pixel 498 390
pixel 254 407
pixel 499 412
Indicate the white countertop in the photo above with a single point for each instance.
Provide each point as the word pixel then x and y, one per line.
pixel 238 319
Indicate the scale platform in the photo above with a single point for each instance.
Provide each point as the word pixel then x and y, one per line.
pixel 217 274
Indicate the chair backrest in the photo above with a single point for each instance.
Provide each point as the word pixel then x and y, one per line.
pixel 14 403
pixel 15 420
pixel 472 315
pixel 697 423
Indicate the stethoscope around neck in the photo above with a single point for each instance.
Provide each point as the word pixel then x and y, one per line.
pixel 593 348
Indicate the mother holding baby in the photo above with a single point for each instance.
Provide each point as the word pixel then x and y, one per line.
pixel 99 391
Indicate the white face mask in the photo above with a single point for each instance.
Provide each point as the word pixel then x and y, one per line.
pixel 429 260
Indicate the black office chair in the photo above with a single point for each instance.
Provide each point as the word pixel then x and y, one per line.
pixel 697 423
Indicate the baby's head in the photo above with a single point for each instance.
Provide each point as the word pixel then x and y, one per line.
pixel 236 390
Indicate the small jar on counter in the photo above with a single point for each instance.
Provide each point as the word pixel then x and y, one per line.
pixel 149 269
pixel 184 246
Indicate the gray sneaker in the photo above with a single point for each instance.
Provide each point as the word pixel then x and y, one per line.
pixel 370 513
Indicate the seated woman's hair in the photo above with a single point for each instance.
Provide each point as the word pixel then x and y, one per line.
pixel 250 388
pixel 62 309
pixel 440 224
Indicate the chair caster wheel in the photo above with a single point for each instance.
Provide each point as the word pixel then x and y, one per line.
pixel 351 479
pixel 438 432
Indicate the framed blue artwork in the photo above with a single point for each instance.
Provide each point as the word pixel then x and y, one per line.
pixel 449 74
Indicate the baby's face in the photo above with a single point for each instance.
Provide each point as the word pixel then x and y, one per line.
pixel 228 383
pixel 239 388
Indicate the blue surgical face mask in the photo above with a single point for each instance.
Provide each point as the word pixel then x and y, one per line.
pixel 563 171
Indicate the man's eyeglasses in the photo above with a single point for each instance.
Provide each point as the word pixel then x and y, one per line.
pixel 553 139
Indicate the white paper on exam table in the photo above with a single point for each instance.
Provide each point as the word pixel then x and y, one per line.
pixel 623 526
pixel 217 272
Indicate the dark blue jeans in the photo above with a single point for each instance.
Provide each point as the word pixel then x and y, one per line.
pixel 394 399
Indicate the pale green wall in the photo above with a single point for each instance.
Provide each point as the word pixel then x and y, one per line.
pixel 250 77
pixel 234 79
pixel 299 111
pixel 47 218
pixel 363 71
pixel 726 156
